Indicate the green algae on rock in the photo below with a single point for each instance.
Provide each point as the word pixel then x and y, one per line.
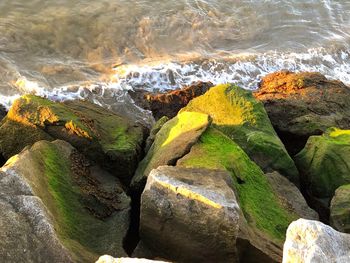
pixel 302 104
pixel 14 136
pixel 340 209
pixel 324 162
pixel 67 193
pixel 257 199
pixel 103 136
pixel 172 142
pixel 243 119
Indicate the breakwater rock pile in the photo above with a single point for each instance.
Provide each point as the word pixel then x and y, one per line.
pixel 224 175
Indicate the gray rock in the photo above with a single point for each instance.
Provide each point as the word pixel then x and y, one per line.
pixel 314 242
pixel 190 215
pixel 26 231
pixel 290 196
pixel 340 209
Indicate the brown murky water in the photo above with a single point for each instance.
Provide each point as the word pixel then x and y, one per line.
pixel 83 48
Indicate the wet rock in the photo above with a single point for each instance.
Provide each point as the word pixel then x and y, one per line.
pixel 173 141
pixel 340 209
pixel 303 104
pixel 312 241
pixel 57 206
pixel 169 103
pixel 190 215
pixel 109 259
pixel 243 119
pixel 323 163
pixel 106 138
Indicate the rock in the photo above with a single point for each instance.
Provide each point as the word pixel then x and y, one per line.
pixel 14 137
pixel 169 103
pixel 303 104
pixel 155 129
pixel 312 241
pixel 290 196
pixel 323 163
pixel 243 119
pixel 266 219
pixel 340 209
pixel 106 138
pixel 56 206
pixel 109 259
pixel 173 141
pixel 190 215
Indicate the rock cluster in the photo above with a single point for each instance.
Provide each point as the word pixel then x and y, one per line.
pixel 222 177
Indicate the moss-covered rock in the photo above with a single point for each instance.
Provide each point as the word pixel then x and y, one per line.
pixel 303 104
pixel 14 136
pixel 257 199
pixel 243 119
pixel 324 162
pixel 340 209
pixel 103 136
pixel 172 142
pixel 83 206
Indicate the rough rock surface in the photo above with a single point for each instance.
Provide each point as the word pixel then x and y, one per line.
pixel 312 241
pixel 324 162
pixel 103 136
pixel 52 197
pixel 190 215
pixel 303 104
pixel 290 196
pixel 109 259
pixel 243 119
pixel 169 103
pixel 173 141
pixel 340 209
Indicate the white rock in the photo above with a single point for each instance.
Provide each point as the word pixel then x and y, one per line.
pixel 310 241
pixel 109 259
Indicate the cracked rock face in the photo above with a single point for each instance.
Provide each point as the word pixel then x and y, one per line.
pixel 312 241
pixel 190 215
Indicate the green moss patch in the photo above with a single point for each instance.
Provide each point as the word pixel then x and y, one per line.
pixel 243 119
pixel 258 201
pixel 324 163
pixel 173 141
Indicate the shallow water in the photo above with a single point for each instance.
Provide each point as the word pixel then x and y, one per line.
pixel 96 49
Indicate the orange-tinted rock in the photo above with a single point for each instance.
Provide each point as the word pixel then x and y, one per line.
pixel 169 103
pixel 303 104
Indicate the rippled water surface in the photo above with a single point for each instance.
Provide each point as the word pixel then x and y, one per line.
pixel 96 49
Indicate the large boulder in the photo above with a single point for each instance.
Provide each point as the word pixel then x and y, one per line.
pixel 312 241
pixel 324 162
pixel 267 218
pixel 236 113
pixel 3 112
pixel 190 215
pixel 169 103
pixel 340 209
pixel 173 141
pixel 106 138
pixel 303 104
pixel 56 206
